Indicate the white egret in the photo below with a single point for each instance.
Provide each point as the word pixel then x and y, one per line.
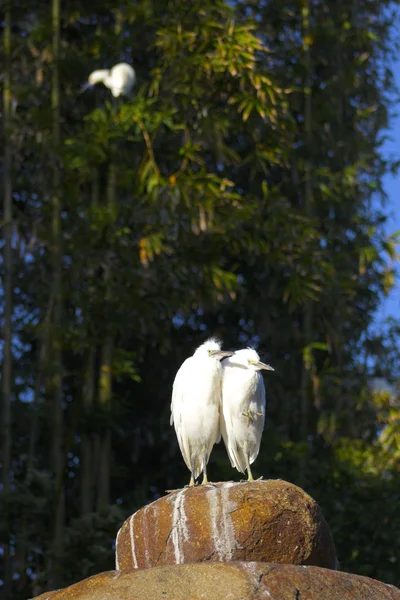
pixel 195 406
pixel 120 79
pixel 243 408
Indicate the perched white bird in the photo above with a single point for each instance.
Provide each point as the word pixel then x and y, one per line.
pixel 195 406
pixel 120 79
pixel 243 408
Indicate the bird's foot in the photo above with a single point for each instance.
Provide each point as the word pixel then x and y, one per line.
pixel 185 487
pixel 251 479
pixel 249 416
pixel 192 483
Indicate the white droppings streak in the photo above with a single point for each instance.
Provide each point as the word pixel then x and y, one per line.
pixel 146 536
pixel 228 506
pixel 212 498
pixel 179 532
pixel 135 563
pixel 255 577
pixel 222 529
pixel 116 550
pixel 155 525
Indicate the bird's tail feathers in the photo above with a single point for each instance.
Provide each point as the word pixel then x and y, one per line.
pixel 235 455
pixel 198 468
pixel 195 465
pixel 185 449
pixel 254 452
pixel 237 458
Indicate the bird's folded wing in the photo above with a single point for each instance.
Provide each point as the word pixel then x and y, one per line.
pixel 260 417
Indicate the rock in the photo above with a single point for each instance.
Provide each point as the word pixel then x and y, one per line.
pixel 268 521
pixel 219 581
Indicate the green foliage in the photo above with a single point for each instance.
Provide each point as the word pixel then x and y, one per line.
pixel 186 213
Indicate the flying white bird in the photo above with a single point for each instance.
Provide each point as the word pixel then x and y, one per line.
pixel 195 406
pixel 243 408
pixel 120 79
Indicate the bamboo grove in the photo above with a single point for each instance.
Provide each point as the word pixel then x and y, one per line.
pixel 238 193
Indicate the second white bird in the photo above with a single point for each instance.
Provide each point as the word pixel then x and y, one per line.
pixel 243 408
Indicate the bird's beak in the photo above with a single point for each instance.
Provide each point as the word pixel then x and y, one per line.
pixel 220 354
pixel 85 87
pixel 260 365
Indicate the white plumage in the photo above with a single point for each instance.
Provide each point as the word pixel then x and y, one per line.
pixel 243 408
pixel 120 79
pixel 195 406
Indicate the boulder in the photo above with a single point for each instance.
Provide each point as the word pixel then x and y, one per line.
pixel 219 581
pixel 267 521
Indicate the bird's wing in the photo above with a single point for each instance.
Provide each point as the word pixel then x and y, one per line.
pixel 258 424
pixel 177 390
pixel 176 410
pixel 218 439
pixel 224 432
pixel 123 79
pixel 229 409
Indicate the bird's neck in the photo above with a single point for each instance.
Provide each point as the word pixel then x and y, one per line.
pixel 99 76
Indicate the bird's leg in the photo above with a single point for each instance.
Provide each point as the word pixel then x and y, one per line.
pixel 246 456
pixel 192 470
pixel 205 480
pixel 249 473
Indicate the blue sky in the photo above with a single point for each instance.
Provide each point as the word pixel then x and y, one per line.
pixel 391 306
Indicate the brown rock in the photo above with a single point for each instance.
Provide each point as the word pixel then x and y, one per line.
pixel 236 581
pixel 268 521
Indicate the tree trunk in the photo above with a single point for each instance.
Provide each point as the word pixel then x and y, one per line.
pixel 33 436
pixel 56 395
pixel 6 379
pixel 308 206
pixel 105 391
pixel 90 439
pixel 87 447
pixel 105 374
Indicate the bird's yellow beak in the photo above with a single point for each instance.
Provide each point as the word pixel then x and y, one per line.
pixel 260 365
pixel 220 354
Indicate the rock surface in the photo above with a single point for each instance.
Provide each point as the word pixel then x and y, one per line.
pixel 236 581
pixel 267 521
